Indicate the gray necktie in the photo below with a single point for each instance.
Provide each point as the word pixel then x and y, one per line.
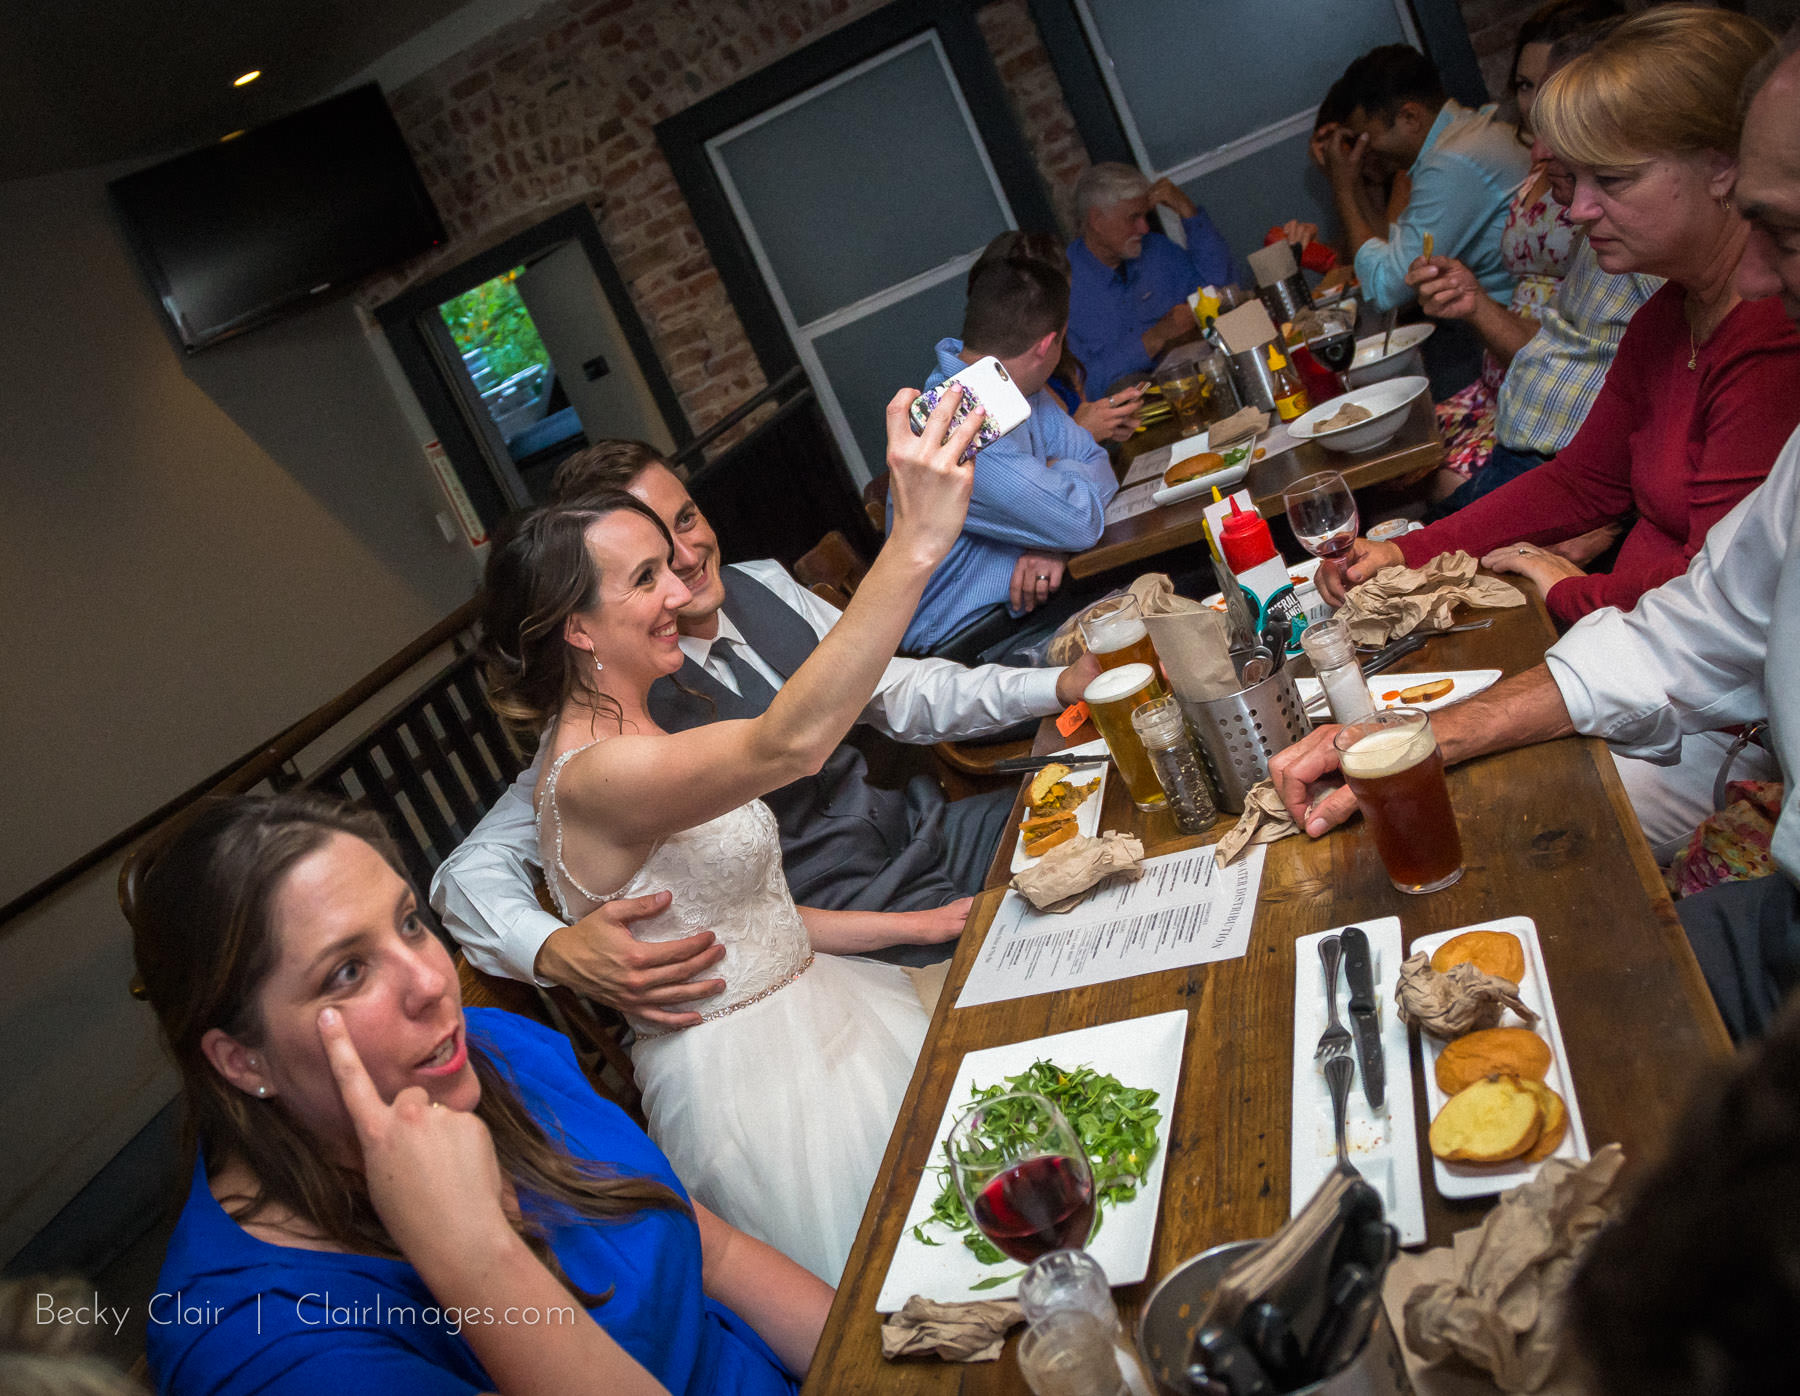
pixel 752 686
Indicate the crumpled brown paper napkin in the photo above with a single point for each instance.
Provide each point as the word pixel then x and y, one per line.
pixel 1246 421
pixel 1495 1297
pixel 1062 878
pixel 1155 595
pixel 1398 600
pixel 955 1332
pixel 1449 1005
pixel 1264 820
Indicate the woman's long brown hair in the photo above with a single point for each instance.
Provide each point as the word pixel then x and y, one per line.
pixel 204 946
pixel 538 575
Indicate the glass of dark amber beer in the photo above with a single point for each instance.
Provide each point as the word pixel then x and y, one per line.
pixel 1391 760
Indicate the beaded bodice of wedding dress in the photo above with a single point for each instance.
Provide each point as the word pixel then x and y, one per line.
pixel 724 875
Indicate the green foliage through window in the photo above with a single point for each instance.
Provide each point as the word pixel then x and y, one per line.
pixel 493 319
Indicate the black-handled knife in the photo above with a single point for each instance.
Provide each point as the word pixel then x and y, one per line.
pixel 1364 1021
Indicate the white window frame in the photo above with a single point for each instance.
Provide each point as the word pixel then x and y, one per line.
pixel 803 336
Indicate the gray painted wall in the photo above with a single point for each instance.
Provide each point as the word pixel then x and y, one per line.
pixel 193 554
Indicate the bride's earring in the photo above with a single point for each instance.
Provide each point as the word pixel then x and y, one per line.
pixel 598 666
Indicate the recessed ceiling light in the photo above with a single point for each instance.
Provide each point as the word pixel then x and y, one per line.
pixel 246 79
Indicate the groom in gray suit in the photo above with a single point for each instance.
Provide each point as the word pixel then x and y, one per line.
pixel 846 844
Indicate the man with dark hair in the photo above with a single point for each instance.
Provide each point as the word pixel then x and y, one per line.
pixel 1128 286
pixel 1464 166
pixel 1041 490
pixel 846 845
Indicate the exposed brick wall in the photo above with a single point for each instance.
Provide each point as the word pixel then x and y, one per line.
pixel 1493 25
pixel 562 105
pixel 1036 99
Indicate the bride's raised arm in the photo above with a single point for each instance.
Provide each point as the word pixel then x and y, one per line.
pixel 637 788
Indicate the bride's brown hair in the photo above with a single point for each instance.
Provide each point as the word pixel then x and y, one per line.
pixel 205 945
pixel 538 575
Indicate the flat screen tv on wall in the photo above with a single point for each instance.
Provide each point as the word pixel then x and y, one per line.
pixel 259 224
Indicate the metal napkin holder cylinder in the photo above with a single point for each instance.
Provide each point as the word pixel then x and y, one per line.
pixel 1240 731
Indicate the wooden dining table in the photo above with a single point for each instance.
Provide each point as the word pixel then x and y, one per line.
pixel 1546 833
pixel 1417 449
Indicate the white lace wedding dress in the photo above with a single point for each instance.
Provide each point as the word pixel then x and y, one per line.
pixel 776 1110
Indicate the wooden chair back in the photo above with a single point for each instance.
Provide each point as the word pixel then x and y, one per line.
pixel 832 562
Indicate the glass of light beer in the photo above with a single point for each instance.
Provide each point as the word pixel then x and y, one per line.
pixel 1111 699
pixel 1115 633
pixel 1391 760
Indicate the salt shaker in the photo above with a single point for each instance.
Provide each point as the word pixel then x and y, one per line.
pixel 1075 1345
pixel 1333 653
pixel 1163 730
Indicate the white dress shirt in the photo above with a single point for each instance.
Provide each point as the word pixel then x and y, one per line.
pixel 483 891
pixel 1716 647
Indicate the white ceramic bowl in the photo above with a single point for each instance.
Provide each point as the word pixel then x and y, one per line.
pixel 1402 358
pixel 1390 402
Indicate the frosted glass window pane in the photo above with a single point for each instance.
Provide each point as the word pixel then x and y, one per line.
pixel 1199 75
pixel 865 185
pixel 870 359
pixel 1248 197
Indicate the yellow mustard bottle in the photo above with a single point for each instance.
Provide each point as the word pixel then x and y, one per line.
pixel 1289 392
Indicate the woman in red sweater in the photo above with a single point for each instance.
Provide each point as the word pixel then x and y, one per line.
pixel 1705 387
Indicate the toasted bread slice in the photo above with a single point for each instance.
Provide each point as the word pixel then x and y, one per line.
pixel 1043 781
pixel 1490 1122
pixel 1556 1122
pixel 1491 952
pixel 1425 692
pixel 1045 831
pixel 1491 1052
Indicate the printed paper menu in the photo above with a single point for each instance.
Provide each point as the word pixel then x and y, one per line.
pixel 1184 910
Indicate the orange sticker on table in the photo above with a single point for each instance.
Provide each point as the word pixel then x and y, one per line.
pixel 1069 721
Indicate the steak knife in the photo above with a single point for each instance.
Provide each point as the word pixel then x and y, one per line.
pixel 1364 1022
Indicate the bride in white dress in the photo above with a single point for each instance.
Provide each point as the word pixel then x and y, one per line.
pixel 776 1108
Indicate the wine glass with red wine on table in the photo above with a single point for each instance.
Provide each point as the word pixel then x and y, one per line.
pixel 1023 1175
pixel 1322 512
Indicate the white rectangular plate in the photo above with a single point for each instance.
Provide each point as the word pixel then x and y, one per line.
pixel 1468 682
pixel 1481 1180
pixel 1383 1145
pixel 1237 466
pixel 1087 813
pixel 1142 1053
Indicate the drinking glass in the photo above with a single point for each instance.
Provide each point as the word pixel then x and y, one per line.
pixel 1183 387
pixel 1023 1175
pixel 1115 633
pixel 1111 700
pixel 1392 763
pixel 1322 511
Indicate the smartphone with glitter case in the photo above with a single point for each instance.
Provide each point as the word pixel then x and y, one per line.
pixel 987 388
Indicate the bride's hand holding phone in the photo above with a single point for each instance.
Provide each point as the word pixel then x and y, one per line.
pixel 928 479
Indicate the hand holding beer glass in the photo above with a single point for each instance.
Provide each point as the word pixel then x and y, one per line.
pixel 1392 764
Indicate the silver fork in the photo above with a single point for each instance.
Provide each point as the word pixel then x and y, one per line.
pixel 1338 1069
pixel 1335 1042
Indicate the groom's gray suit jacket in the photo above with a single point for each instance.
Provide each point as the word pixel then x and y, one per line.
pixel 844 842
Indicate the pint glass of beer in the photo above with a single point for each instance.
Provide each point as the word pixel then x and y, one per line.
pixel 1391 760
pixel 1111 699
pixel 1116 634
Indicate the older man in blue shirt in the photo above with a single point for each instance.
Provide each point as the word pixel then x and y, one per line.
pixel 1128 286
pixel 1041 490
pixel 1465 166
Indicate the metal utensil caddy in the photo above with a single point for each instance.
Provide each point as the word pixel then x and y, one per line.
pixel 1240 731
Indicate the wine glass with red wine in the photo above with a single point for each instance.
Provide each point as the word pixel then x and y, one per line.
pixel 1322 511
pixel 1023 1175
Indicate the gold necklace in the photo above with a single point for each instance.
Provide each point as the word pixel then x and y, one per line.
pixel 1693 348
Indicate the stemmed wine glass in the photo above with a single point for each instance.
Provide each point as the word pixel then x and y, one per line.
pixel 1023 1175
pixel 1322 512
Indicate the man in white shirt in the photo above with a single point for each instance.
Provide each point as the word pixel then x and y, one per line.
pixel 1716 647
pixel 845 843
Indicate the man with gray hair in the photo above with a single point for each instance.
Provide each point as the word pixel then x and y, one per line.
pixel 1128 286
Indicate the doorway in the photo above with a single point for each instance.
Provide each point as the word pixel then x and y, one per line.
pixel 524 354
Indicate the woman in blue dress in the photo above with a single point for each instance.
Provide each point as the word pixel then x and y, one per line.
pixel 392 1194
